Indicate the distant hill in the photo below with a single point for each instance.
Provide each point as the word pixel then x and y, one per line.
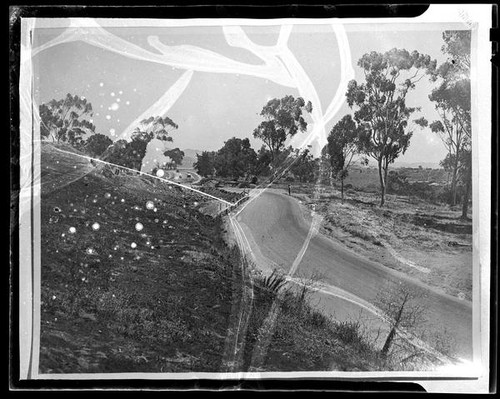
pixel 396 165
pixel 425 165
pixel 189 158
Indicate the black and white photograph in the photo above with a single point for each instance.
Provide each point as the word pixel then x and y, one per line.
pixel 219 198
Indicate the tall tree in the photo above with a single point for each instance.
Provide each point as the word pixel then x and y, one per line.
pixel 204 164
pixel 66 120
pixel 466 177
pixel 283 118
pixel 454 139
pixel 176 155
pixel 148 129
pixel 263 162
pixel 282 162
pixel 131 153
pixel 155 127
pixel 381 110
pixel 235 159
pixel 343 144
pixel 457 45
pixel 116 154
pixel 325 170
pixel 304 166
pixel 452 98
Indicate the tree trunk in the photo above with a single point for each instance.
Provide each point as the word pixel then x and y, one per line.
pixel 390 337
pixel 388 342
pixel 386 170
pixel 465 204
pixel 381 176
pixel 454 182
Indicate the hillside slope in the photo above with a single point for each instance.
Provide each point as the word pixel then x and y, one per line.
pixel 135 278
pixel 121 296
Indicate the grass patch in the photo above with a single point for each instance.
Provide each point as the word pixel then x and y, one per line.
pixel 302 338
pixel 127 286
pixel 135 279
pixel 424 240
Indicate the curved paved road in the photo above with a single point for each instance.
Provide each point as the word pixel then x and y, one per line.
pixel 276 229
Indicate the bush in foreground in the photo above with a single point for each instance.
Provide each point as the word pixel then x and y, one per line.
pixel 296 336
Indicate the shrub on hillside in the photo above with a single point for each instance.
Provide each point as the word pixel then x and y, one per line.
pixel 274 282
pixel 398 183
pixel 371 188
pixel 350 332
pixel 97 144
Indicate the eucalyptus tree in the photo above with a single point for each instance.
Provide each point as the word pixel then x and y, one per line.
pixel 235 159
pixel 66 120
pixel 452 98
pixel 380 104
pixel 204 164
pixel 343 144
pixel 304 165
pixel 283 118
pixel 176 155
pixel 131 153
pixel 151 128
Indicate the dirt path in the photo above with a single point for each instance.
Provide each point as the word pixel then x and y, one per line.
pixel 276 228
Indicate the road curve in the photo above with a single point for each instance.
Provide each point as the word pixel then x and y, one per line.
pixel 276 229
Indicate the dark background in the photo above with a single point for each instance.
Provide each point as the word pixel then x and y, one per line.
pixel 192 9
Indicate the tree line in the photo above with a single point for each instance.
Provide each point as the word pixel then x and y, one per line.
pixel 69 120
pixel 283 119
pixel 380 126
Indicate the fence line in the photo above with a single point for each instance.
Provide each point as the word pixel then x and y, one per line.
pixel 232 206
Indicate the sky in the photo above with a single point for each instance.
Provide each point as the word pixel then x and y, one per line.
pixel 214 107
